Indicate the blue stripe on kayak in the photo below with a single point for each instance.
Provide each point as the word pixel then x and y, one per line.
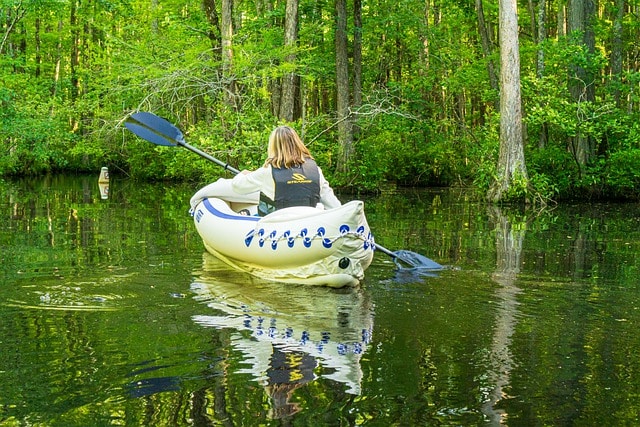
pixel 223 215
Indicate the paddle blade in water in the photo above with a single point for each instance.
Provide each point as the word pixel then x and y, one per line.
pixel 415 260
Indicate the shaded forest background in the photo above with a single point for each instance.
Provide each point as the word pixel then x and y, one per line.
pixel 383 91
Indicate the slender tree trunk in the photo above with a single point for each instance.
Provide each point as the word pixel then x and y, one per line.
pixel 424 54
pixel 229 84
pixel 532 17
pixel 13 17
pixel 616 50
pixel 511 165
pixel 542 36
pixel 227 54
pixel 486 46
pixel 345 131
pixel 56 75
pixel 38 47
pixel 214 34
pixel 581 86
pixel 75 49
pixel 561 19
pixel 357 60
pixel 287 104
pixel 214 29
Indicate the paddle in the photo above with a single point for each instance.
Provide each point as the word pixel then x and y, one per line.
pixel 159 131
pixel 413 259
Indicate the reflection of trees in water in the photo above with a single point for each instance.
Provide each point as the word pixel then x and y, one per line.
pixel 509 239
pixel 121 368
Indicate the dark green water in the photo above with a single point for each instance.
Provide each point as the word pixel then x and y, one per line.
pixel 112 314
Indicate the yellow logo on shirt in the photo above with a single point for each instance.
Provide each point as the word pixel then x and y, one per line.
pixel 299 178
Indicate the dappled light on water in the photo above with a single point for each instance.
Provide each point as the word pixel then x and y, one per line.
pixel 114 314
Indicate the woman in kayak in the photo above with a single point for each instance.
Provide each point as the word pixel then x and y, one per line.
pixel 290 176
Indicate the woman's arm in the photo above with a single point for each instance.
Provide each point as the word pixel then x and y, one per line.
pixel 257 180
pixel 327 198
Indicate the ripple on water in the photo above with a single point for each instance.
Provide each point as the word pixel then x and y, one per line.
pixel 66 297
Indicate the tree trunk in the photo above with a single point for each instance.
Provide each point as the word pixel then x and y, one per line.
pixel 214 33
pixel 345 131
pixel 357 59
pixel 581 84
pixel 511 166
pixel 75 49
pixel 13 17
pixel 56 75
pixel 616 50
pixel 486 46
pixel 214 30
pixel 227 54
pixel 542 36
pixel 561 20
pixel 289 80
pixel 38 47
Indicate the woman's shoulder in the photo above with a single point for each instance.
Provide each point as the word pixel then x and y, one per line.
pixel 310 160
pixel 264 170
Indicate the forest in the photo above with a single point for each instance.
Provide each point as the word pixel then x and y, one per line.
pixel 384 92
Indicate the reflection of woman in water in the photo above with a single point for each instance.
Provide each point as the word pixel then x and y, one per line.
pixel 288 370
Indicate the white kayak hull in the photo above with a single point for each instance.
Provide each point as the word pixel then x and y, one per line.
pixel 299 244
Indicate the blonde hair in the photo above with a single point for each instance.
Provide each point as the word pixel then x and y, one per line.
pixel 286 149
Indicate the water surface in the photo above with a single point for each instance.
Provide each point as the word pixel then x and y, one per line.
pixel 113 314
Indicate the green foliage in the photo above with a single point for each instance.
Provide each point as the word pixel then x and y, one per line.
pixel 552 170
pixel 427 115
pixel 484 154
pixel 542 186
pixel 623 173
pixel 519 189
pixel 34 141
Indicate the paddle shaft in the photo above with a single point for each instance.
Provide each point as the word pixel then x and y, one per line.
pixel 385 251
pixel 226 166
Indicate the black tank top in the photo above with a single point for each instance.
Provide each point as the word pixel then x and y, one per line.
pixel 297 186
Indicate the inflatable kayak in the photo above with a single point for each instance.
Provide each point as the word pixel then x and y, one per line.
pixel 331 247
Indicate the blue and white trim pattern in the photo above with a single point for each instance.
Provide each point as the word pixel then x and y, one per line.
pixel 262 237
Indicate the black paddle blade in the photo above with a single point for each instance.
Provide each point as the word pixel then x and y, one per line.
pixel 415 260
pixel 154 129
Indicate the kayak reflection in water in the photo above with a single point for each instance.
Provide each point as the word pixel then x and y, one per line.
pixel 286 335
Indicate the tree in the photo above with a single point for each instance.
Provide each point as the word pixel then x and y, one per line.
pixel 287 105
pixel 357 57
pixel 512 177
pixel 582 84
pixel 617 50
pixel 14 13
pixel 345 128
pixel 486 45
pixel 542 35
pixel 408 87
pixel 214 32
pixel 232 99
